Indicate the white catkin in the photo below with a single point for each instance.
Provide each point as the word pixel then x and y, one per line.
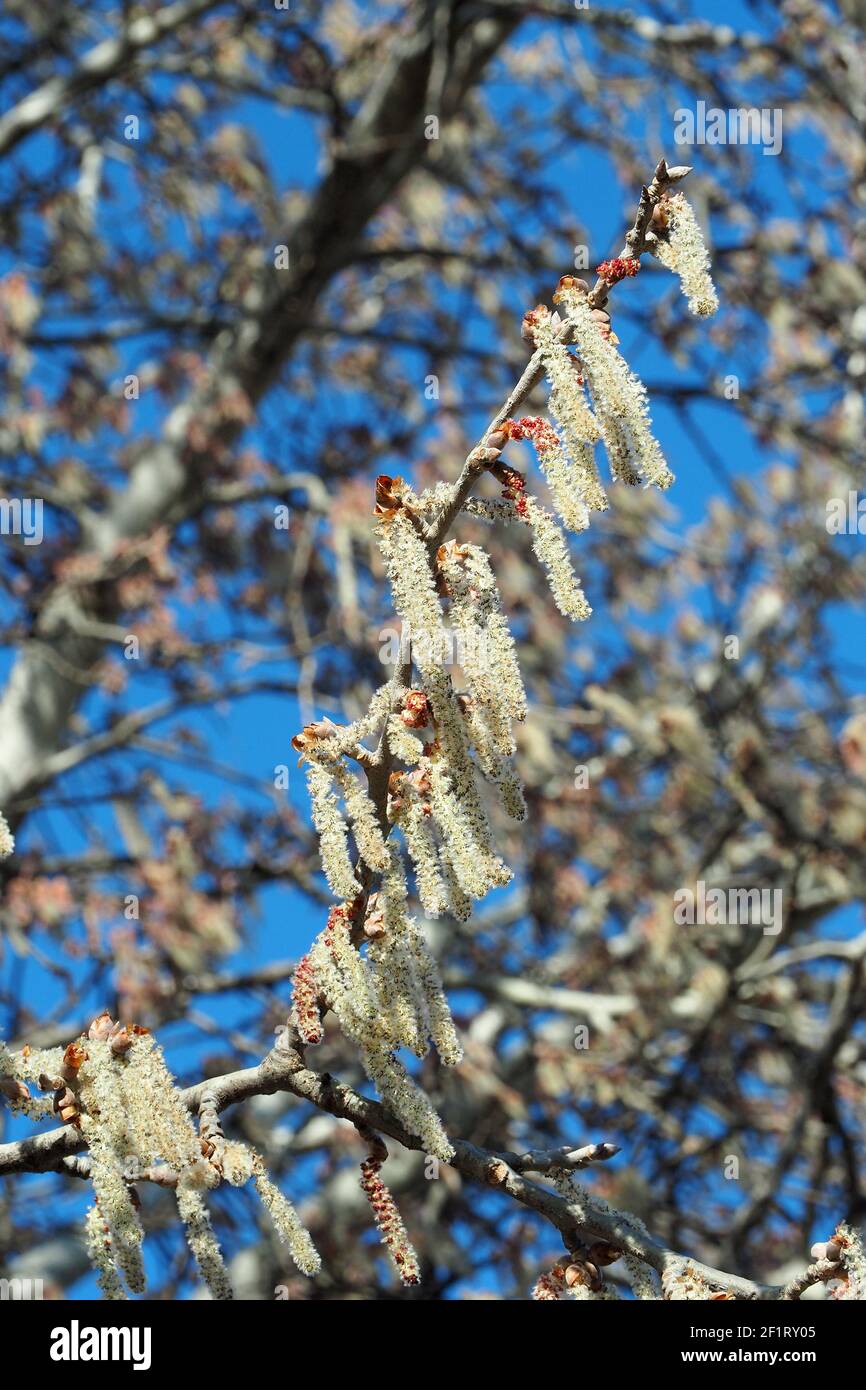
pixel 332 832
pixel 573 481
pixel 487 652
pixel 413 589
pixel 439 1016
pixel 203 1242
pixel 409 1102
pixel 377 711
pixel 402 1000
pixel 289 1227
pixel 363 819
pixel 459 903
pixel 490 510
pixel 619 399
pixel 854 1264
pixel 101 1092
pixel 402 997
pixel 115 1204
pixel 550 548
pixel 455 800
pixel 160 1123
pixel 511 793
pixel 685 253
pixel 418 832
pixel 491 736
pixel 402 742
pixel 348 984
pixel 97 1237
pixel 467 843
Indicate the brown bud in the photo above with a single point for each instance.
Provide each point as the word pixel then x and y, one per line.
pixel 570 282
pixel 66 1106
pixel 531 319
pixel 583 1272
pixel 310 735
pixel 101 1027
pixel 387 493
pixel 497 440
pixel 496 1172
pixel 73 1059
pixel 121 1042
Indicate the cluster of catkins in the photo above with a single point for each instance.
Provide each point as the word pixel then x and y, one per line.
pixel 114 1087
pixel 442 745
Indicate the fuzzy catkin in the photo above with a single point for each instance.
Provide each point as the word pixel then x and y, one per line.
pixel 488 653
pixel 161 1124
pixel 332 832
pixel 115 1204
pixel 413 589
pixel 573 480
pixel 97 1236
pixel 439 1016
pixel 409 1103
pixel 618 396
pixel 363 818
pixel 203 1242
pixel 853 1260
pixel 685 253
pixel 550 548
pixel 417 826
pixel 289 1227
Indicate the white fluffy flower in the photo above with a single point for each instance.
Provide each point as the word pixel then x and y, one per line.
pixel 288 1225
pixel 618 396
pixel 684 252
pixel 333 833
pixel 573 480
pixel 203 1242
pixel 550 548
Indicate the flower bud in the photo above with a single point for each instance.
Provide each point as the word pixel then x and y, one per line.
pixel 496 1172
